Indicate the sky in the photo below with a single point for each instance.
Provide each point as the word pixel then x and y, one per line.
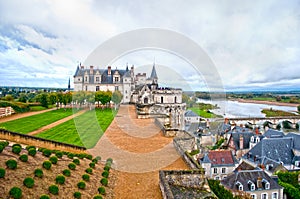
pixel 253 45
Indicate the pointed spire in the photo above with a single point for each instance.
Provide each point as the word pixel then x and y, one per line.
pixel 126 66
pixel 69 84
pixel 153 73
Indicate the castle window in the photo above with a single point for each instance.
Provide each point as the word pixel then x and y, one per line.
pixel 79 79
pixel 86 88
pixel 252 139
pixel 116 88
pixel 264 196
pixel 97 88
pixel 275 195
pixel 223 170
pixel 161 99
pixel 116 79
pixel 175 100
pixel 239 186
pixel 215 170
pixel 97 79
pixel 85 79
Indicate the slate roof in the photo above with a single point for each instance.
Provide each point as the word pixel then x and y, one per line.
pixel 271 133
pixel 277 149
pixel 153 73
pixel 296 139
pixel 246 176
pixel 236 139
pixel 244 166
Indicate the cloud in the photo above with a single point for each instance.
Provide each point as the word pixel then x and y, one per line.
pixel 253 44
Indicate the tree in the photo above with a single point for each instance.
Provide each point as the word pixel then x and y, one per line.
pixel 278 126
pixel 286 124
pixel 44 100
pixel 23 98
pixel 116 97
pixel 103 96
pixel 9 98
pixel 52 98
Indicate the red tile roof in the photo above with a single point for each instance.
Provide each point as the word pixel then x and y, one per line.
pixel 221 157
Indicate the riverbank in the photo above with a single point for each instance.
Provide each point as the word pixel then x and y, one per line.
pixel 265 102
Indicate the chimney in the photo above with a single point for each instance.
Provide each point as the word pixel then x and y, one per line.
pixel 91 70
pixel 132 70
pixel 82 67
pixel 241 141
pixel 226 121
pixel 259 183
pixel 256 131
pixel 109 70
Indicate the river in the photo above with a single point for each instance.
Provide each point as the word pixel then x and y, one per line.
pixel 238 109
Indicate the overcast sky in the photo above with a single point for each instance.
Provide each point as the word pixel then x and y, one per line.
pixel 253 44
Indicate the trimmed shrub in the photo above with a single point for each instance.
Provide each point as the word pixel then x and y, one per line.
pixel 38 173
pixel 53 159
pixel 4 143
pixel 45 196
pixel 106 168
pixel 70 155
pixel 32 152
pixel 92 165
pixel 101 190
pixel 105 174
pixel 95 160
pixel 97 196
pixel 81 155
pixel 15 192
pixel 90 157
pixel 76 161
pixel 2 172
pixel 72 166
pixel 30 147
pixel 89 170
pixel 77 194
pixel 16 149
pixel 41 149
pixel 59 154
pixel 109 160
pixel 11 164
pixel 86 177
pixel 53 189
pixel 60 179
pixel 19 145
pixel 67 172
pixel 47 164
pixel 47 152
pixel 108 164
pixel 24 158
pixel 104 181
pixel 28 182
pixel 1 148
pixel 81 185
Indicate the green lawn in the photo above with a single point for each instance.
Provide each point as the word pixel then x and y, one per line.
pixel 203 113
pixel 276 113
pixel 34 122
pixel 84 130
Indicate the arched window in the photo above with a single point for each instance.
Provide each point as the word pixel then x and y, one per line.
pixel 162 99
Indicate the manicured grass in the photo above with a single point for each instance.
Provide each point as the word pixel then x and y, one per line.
pixel 84 130
pixel 34 122
pixel 37 108
pixel 203 113
pixel 276 113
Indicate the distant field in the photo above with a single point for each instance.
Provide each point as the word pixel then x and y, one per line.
pixel 203 113
pixel 276 113
pixel 34 122
pixel 83 130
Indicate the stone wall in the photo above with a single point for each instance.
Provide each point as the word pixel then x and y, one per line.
pixel 39 142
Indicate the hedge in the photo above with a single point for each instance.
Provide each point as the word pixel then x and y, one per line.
pixel 18 107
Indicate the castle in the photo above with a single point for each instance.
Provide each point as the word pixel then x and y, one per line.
pixel 151 100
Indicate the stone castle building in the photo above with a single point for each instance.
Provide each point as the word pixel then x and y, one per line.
pixel 151 100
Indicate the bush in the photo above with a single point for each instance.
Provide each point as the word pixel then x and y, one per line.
pixel 19 107
pixel 19 145
pixel 81 185
pixel 67 172
pixel 108 164
pixel 70 155
pixel 16 149
pixel 38 173
pixel 97 196
pixel 101 190
pixel 47 164
pixel 41 149
pixel 28 182
pixel 47 152
pixel 92 165
pixel 11 164
pixel 30 147
pixel 60 179
pixel 109 160
pixel 90 157
pixel 106 168
pixel 32 152
pixel 89 170
pixel 76 161
pixel 53 189
pixel 104 181
pixel 15 192
pixel 1 148
pixel 77 194
pixel 105 174
pixel 72 166
pixel 81 155
pixel 53 159
pixel 45 196
pixel 24 158
pixel 2 172
pixel 4 143
pixel 86 177
pixel 95 160
pixel 59 154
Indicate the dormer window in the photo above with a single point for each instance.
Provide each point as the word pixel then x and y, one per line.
pixel 266 184
pixel 251 185
pixel 252 138
pixel 257 139
pixel 239 186
pixel 297 163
